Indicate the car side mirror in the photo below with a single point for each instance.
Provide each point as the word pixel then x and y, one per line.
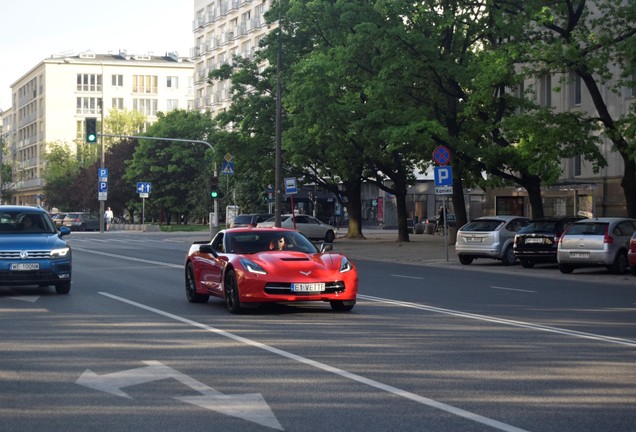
pixel 208 249
pixel 64 230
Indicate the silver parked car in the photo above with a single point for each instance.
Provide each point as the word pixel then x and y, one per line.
pixel 311 227
pixel 489 237
pixel 598 242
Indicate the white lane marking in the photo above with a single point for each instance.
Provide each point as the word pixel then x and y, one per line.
pixel 322 366
pixel 145 261
pixel 407 277
pixel 522 324
pixel 512 289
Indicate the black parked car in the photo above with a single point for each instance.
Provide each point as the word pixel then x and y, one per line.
pixel 538 240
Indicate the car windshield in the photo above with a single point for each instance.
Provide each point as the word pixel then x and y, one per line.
pixel 21 222
pixel 483 225
pixel 261 241
pixel 539 227
pixel 596 228
pixel 243 219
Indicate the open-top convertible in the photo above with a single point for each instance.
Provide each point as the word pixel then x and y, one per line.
pixel 250 266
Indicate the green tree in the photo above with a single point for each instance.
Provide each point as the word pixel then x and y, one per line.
pixel 596 41
pixel 176 169
pixel 61 168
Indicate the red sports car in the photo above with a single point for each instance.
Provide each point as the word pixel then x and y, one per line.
pixel 250 266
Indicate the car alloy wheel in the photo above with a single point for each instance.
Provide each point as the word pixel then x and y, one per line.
pixel 231 290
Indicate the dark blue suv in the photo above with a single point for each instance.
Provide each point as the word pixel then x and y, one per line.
pixel 32 250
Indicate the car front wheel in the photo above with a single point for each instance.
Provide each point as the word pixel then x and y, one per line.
pixel 330 236
pixel 63 287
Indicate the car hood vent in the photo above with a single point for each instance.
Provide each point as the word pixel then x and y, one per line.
pixel 295 259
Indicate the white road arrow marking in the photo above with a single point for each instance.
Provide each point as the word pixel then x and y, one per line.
pixel 30 299
pixel 251 407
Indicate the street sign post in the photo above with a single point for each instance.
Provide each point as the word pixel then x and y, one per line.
pixel 143 189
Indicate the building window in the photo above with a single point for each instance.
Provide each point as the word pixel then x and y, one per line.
pixel 546 90
pixel 172 82
pixel 631 90
pixel 89 82
pixel 144 84
pixel 89 105
pixel 147 107
pixel 576 89
pixel 117 81
pixel 118 103
pixel 172 104
pixel 577 165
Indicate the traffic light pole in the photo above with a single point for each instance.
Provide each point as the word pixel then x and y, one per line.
pixel 214 228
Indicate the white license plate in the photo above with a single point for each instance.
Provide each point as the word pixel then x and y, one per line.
pixel 25 266
pixel 534 240
pixel 473 240
pixel 308 287
pixel 579 254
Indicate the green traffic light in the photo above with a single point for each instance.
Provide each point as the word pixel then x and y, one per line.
pixel 214 194
pixel 92 138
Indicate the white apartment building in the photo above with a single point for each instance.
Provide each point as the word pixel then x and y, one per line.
pixel 223 29
pixel 51 101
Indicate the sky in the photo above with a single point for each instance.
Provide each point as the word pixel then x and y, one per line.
pixel 33 30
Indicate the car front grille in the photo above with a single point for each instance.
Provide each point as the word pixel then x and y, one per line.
pixel 15 255
pixel 285 288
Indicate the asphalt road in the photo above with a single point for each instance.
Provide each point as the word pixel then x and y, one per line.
pixel 430 346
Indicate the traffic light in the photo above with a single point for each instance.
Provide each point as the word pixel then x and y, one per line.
pixel 91 130
pixel 215 191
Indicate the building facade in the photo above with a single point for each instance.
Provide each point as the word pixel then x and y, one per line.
pixel 51 102
pixel 222 30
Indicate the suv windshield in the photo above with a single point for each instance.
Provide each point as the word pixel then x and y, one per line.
pixel 25 222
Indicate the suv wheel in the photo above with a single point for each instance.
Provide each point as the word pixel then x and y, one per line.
pixel 526 263
pixel 465 259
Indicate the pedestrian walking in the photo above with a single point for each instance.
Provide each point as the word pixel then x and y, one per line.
pixel 108 218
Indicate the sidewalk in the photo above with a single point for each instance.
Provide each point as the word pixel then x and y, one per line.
pixel 382 245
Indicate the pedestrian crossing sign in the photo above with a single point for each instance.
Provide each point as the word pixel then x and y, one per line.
pixel 228 168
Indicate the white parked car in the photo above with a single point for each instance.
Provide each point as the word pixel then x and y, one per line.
pixel 311 227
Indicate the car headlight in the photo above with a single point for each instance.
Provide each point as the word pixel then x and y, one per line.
pixel 252 267
pixel 60 253
pixel 345 265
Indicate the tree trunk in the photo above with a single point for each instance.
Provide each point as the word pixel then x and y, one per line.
pixel 354 209
pixel 459 203
pixel 532 185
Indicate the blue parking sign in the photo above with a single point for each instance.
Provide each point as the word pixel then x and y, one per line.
pixel 443 176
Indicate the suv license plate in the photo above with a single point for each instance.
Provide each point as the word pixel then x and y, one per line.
pixel 579 254
pixel 25 266
pixel 308 287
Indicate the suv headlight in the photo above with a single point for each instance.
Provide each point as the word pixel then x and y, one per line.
pixel 61 252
